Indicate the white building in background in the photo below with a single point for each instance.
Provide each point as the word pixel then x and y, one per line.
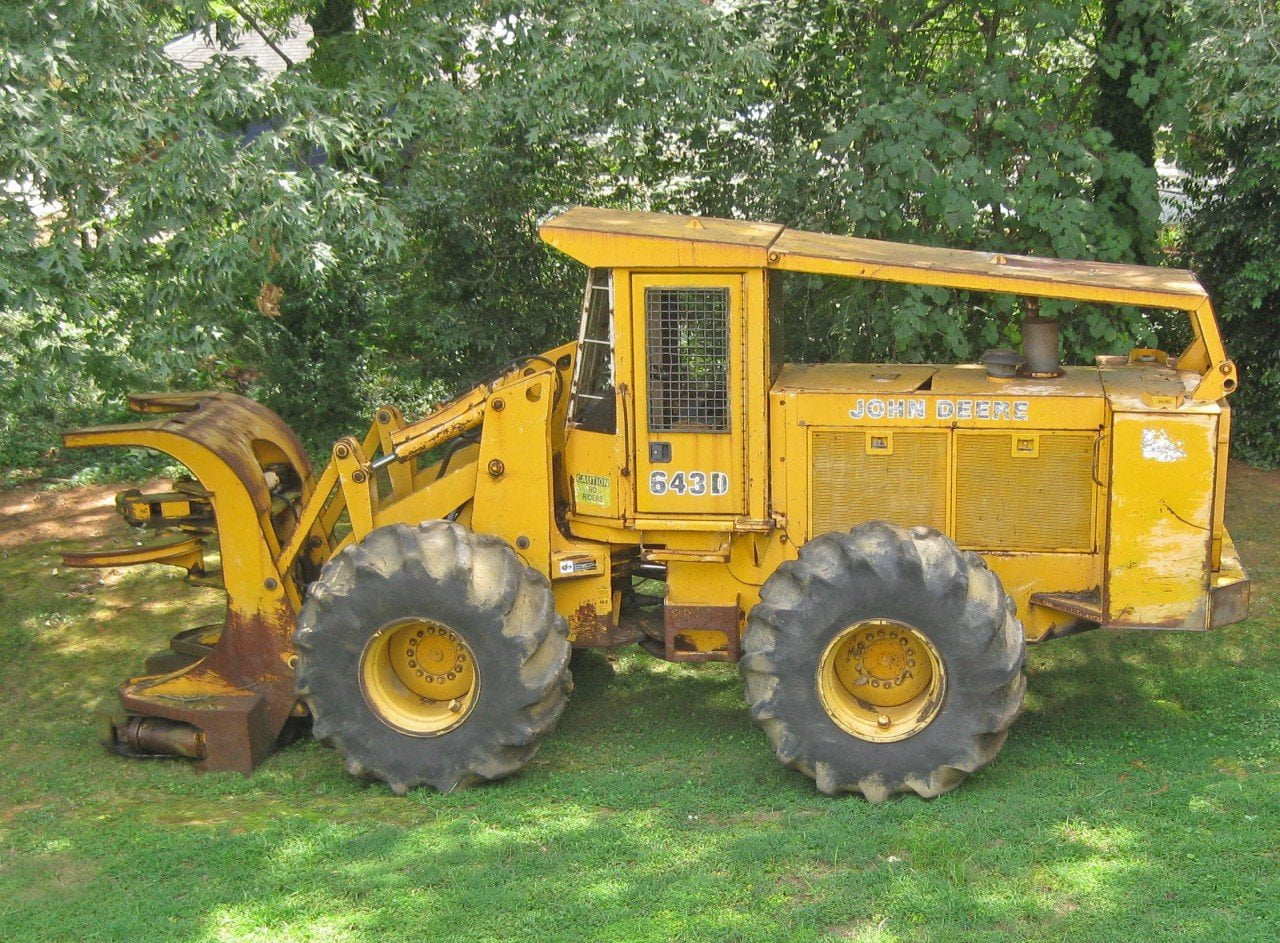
pixel 195 49
pixel 1175 205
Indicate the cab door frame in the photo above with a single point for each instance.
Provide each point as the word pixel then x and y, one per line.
pixel 689 443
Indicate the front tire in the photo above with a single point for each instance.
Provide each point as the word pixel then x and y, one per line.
pixel 883 661
pixel 433 656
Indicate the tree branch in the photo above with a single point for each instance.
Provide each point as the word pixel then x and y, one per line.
pixel 253 24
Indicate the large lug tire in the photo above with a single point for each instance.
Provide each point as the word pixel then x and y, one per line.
pixel 908 612
pixel 432 656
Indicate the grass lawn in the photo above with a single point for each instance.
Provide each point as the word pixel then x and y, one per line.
pixel 1137 799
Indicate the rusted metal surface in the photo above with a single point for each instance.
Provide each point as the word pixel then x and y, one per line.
pixel 185 648
pixel 594 629
pixel 151 736
pixel 1085 605
pixel 228 424
pixel 1229 604
pixel 240 695
pixel 679 622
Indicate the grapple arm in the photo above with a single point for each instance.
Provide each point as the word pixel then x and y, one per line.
pixel 235 701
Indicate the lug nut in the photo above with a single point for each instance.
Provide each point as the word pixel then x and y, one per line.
pixel 883 721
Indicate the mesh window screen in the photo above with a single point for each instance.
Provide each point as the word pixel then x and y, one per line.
pixel 688 347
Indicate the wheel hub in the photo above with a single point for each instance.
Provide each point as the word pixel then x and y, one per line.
pixel 881 680
pixel 419 677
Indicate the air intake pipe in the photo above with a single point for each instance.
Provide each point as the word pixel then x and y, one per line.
pixel 1039 342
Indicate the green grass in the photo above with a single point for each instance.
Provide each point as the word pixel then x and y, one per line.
pixel 1137 799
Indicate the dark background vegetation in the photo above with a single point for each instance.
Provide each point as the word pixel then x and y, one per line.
pixel 377 241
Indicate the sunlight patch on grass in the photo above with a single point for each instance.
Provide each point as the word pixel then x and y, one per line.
pixel 1134 801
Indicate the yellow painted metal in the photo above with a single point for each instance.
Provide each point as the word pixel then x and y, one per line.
pixel 246 533
pixel 436 495
pixel 419 677
pixel 964 269
pixel 1025 490
pixel 1159 546
pixel 858 475
pixel 502 484
pixel 1096 495
pixel 350 484
pixel 999 466
pixel 513 490
pixel 1024 574
pixel 687 484
pixel 355 478
pixel 594 463
pixel 388 421
pixel 958 396
pixel 625 239
pixel 881 680
pixel 1034 486
pixel 882 379
pixel 1220 487
pixel 241 694
pixel 759 344
pixel 185 552
pixel 151 508
pixel 1018 469
pixel 315 523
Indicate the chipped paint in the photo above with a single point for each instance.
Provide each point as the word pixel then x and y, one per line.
pixel 1159 446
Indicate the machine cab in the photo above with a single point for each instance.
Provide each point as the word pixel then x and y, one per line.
pixel 667 418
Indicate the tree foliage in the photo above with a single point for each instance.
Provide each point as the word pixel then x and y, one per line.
pixel 952 123
pixel 1234 149
pixel 363 227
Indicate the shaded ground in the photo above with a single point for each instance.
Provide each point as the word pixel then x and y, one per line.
pixel 32 515
pixel 1137 799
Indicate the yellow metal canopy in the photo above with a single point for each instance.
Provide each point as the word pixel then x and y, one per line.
pixel 630 239
pixel 635 240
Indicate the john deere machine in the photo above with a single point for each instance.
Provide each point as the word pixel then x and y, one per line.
pixel 873 544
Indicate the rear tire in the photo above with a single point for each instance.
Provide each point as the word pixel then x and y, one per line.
pixel 409 601
pixel 908 612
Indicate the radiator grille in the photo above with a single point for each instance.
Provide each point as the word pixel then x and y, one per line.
pixel 688 348
pixel 1040 502
pixel 907 486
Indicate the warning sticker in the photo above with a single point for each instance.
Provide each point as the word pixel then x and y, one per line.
pixel 571 565
pixel 593 489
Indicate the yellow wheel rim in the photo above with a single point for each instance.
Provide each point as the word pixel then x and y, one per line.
pixel 881 680
pixel 419 677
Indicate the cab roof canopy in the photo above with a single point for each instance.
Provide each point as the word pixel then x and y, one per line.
pixel 634 240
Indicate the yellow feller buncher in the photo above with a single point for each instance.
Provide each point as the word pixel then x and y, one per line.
pixel 873 544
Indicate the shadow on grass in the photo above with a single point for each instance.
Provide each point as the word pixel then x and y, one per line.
pixel 657 813
pixel 1136 799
